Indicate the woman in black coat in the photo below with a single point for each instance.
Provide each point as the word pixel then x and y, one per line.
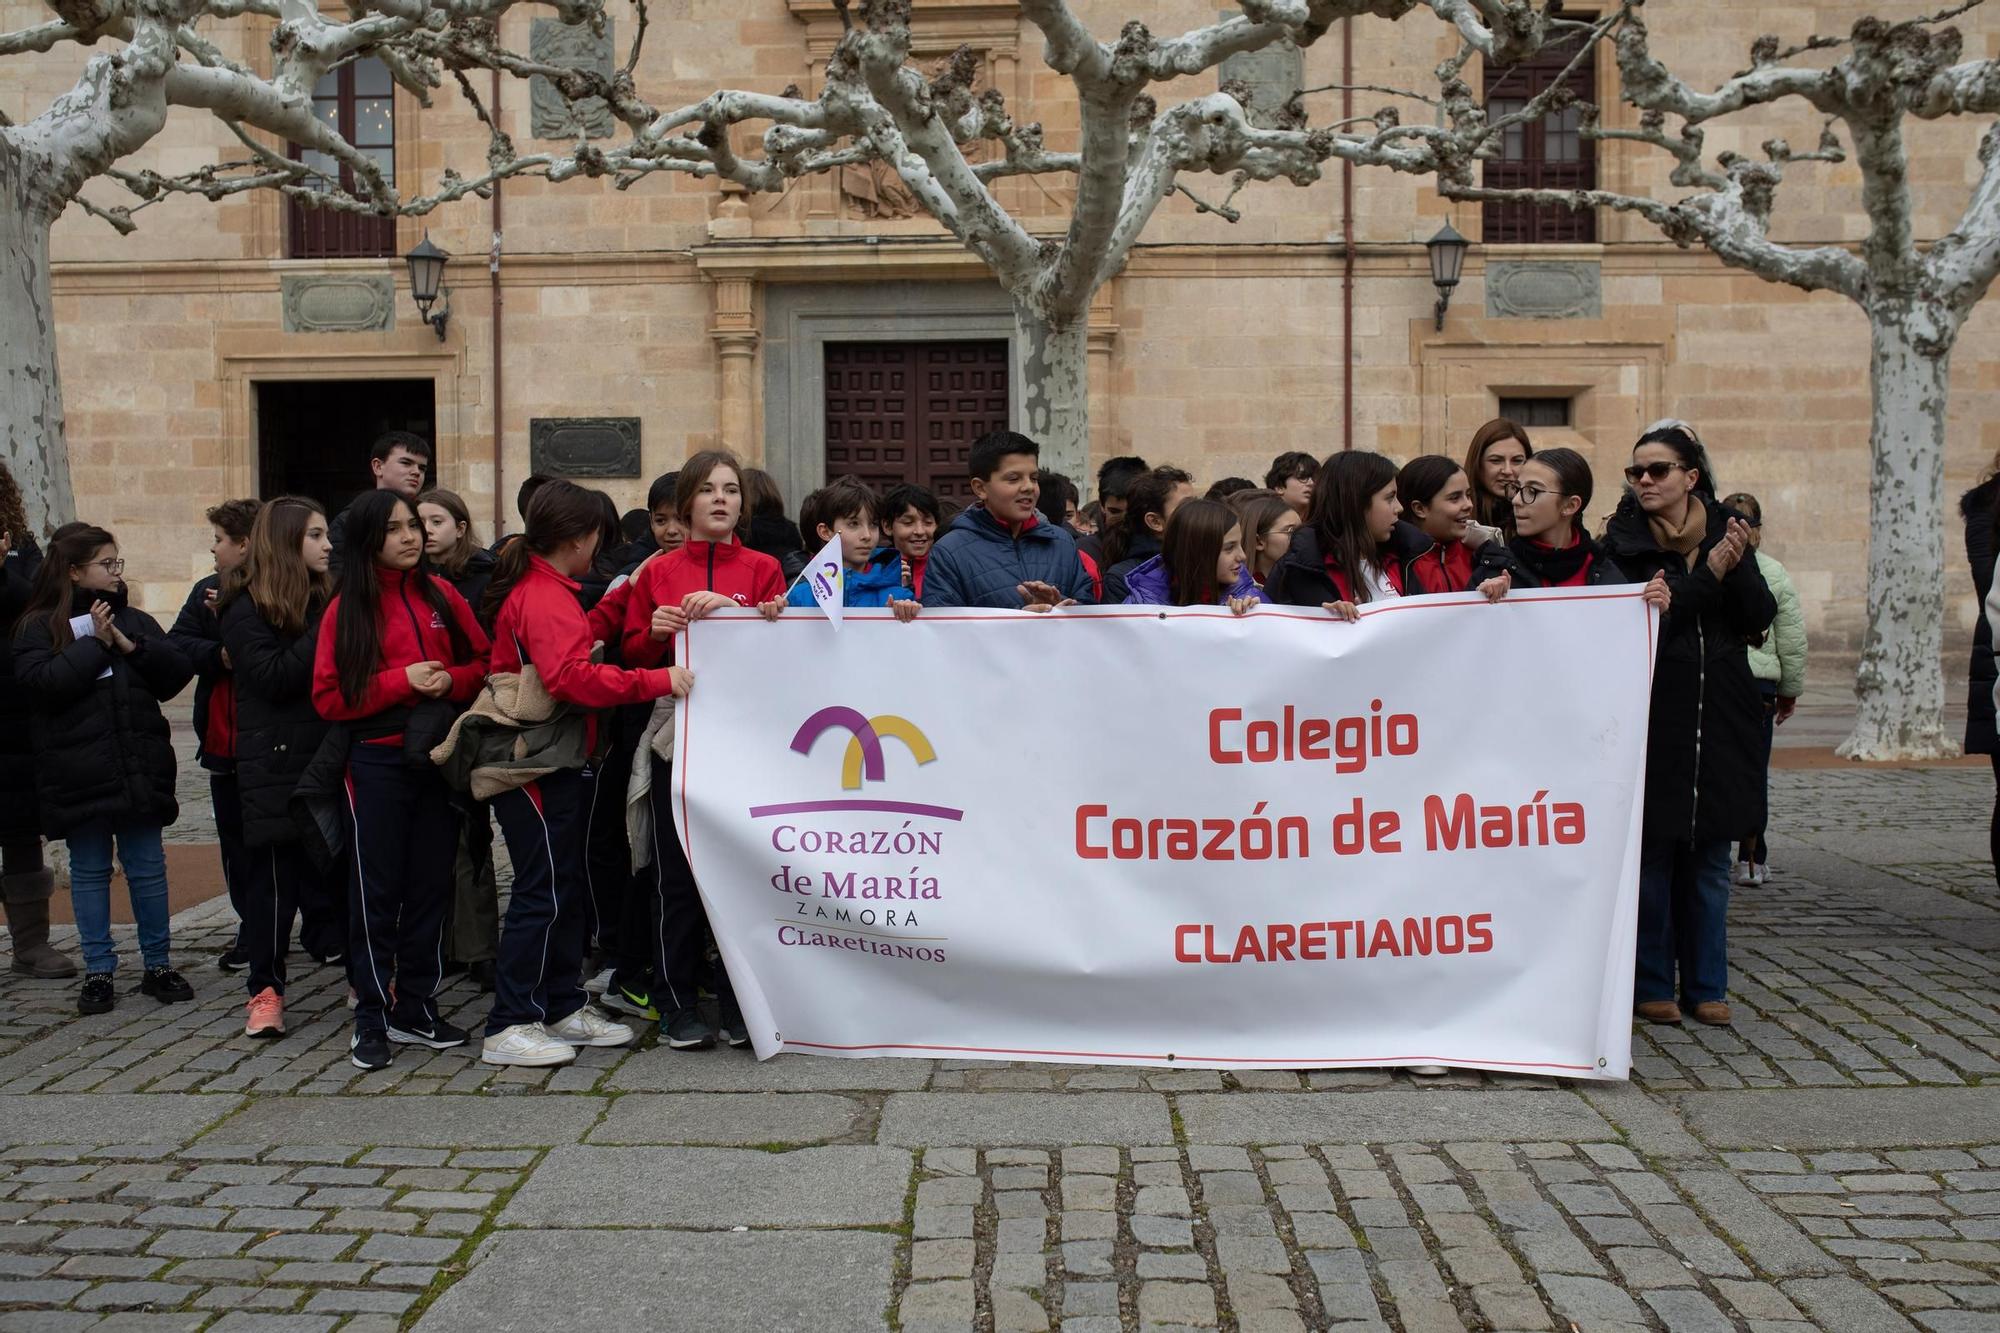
pixel 1704 786
pixel 96 670
pixel 270 622
pixel 1977 508
pixel 26 883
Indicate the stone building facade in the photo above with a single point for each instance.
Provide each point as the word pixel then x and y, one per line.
pixel 615 332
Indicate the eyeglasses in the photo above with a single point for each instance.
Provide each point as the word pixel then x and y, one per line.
pixel 1657 471
pixel 112 566
pixel 1528 494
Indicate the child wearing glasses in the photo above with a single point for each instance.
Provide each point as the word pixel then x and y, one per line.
pixel 96 670
pixel 1550 548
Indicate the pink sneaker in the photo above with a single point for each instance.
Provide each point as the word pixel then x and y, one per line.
pixel 265 1014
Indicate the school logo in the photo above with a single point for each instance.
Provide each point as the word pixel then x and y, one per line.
pixel 826 582
pixel 863 760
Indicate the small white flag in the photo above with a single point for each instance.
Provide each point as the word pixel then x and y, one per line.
pixel 826 577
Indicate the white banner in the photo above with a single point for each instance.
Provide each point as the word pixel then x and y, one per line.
pixel 1178 837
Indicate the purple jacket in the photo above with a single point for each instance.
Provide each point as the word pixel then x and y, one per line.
pixel 1147 586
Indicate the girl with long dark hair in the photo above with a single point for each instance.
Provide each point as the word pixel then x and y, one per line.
pixel 541 1012
pixel 96 670
pixel 1352 551
pixel 1201 562
pixel 1550 547
pixel 392 640
pixel 1150 502
pixel 1703 786
pixel 1493 462
pixel 270 612
pixel 1437 500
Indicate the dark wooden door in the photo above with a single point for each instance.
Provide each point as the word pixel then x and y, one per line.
pixel 909 411
pixel 1550 154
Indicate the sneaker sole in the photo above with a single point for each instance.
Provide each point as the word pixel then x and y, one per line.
pixel 733 1041
pixel 692 1044
pixel 264 1034
pixel 600 1042
pixel 359 1063
pixel 524 1061
pixel 404 1037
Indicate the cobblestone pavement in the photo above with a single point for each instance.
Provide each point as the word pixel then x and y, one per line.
pixel 1833 1161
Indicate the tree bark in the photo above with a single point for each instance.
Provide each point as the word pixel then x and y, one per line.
pixel 31 414
pixel 1900 682
pixel 1055 390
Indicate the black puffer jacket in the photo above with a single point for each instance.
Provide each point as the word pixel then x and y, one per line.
pixel 198 635
pixel 18 817
pixel 102 746
pixel 277 729
pixel 1530 564
pixel 1301 578
pixel 472 580
pixel 1145 545
pixel 1704 777
pixel 1976 508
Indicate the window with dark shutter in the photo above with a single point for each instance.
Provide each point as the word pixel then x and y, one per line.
pixel 1550 154
pixel 357 102
pixel 1534 412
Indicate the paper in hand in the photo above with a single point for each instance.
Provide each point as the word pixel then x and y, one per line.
pixel 81 628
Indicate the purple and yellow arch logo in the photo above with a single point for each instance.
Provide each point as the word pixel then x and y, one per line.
pixel 863 760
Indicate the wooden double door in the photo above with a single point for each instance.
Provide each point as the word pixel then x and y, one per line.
pixel 909 411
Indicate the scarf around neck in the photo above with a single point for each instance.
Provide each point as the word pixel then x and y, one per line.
pixel 1684 539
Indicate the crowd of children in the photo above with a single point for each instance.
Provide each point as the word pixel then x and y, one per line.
pixel 374 689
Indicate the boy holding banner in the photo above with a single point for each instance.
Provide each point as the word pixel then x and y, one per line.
pixel 844 515
pixel 998 552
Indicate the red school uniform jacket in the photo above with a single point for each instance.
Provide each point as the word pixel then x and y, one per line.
pixel 411 632
pixel 541 617
pixel 746 577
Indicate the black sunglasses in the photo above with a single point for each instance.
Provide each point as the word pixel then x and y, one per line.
pixel 1657 471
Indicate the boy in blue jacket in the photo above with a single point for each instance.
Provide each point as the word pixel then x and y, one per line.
pixel 999 552
pixel 847 507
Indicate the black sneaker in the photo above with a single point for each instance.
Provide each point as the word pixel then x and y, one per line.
pixel 233 959
pixel 165 985
pixel 97 995
pixel 369 1050
pixel 633 996
pixel 730 1025
pixel 686 1030
pixel 439 1036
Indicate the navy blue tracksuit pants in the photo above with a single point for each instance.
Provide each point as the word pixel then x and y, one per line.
pixel 403 840
pixel 277 883
pixel 538 975
pixel 680 922
pixel 222 795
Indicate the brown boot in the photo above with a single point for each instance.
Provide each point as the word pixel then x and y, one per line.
pixel 1712 1012
pixel 1658 1011
pixel 27 902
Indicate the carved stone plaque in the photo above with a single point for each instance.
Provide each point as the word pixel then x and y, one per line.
pixel 1273 75
pixel 1543 289
pixel 573 44
pixel 584 446
pixel 338 303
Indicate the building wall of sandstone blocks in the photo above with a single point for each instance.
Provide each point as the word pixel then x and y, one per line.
pixel 1218 347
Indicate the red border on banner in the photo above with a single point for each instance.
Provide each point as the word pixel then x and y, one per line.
pixel 1304 1062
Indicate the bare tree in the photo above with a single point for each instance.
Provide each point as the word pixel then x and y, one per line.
pixel 875 107
pixel 1916 296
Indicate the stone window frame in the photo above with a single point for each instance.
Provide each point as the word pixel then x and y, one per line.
pixel 1615 388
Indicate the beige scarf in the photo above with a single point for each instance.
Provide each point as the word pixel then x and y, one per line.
pixel 1685 539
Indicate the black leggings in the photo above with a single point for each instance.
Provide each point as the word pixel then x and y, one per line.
pixel 1993 829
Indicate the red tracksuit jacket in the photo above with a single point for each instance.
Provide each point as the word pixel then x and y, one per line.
pixel 747 577
pixel 541 615
pixel 411 632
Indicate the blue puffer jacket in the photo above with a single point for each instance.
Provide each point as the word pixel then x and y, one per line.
pixel 874 585
pixel 979 563
pixel 1147 585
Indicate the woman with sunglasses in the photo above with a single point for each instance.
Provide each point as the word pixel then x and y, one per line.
pixel 1702 785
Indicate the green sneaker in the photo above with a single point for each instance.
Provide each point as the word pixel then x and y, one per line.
pixel 635 999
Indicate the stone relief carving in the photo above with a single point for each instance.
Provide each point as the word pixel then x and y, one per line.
pixel 553 42
pixel 338 303
pixel 584 446
pixel 1543 289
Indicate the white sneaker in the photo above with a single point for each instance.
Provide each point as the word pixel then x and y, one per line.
pixel 1428 1071
pixel 1760 875
pixel 525 1044
pixel 1745 873
pixel 600 983
pixel 587 1027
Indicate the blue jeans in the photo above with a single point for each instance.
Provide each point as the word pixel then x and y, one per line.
pixel 1684 918
pixel 145 864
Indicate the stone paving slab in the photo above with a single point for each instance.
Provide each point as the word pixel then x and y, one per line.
pixel 723 1117
pixel 111 1117
pixel 713 1187
pixel 944 1119
pixel 1444 1115
pixel 436 1122
pixel 1845 1118
pixel 724 1070
pixel 672 1282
